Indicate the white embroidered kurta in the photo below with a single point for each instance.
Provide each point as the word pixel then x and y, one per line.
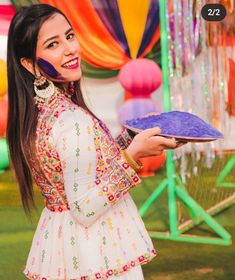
pixel 94 239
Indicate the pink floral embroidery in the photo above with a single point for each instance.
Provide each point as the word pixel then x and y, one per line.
pixel 124 139
pixel 97 275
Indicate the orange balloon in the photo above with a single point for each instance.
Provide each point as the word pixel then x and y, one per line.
pixel 3 78
pixel 151 164
pixel 3 117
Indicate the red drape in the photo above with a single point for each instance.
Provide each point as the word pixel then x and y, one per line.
pixel 231 88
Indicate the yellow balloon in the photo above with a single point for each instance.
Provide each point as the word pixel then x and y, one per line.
pixel 3 78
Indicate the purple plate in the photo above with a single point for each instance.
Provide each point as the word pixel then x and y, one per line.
pixel 183 126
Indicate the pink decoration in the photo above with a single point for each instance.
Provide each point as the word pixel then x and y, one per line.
pixel 7 11
pixel 140 77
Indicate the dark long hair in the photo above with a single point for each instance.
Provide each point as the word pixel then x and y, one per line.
pixel 23 113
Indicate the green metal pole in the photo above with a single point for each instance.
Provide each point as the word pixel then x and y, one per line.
pixel 164 56
pixel 191 238
pixel 201 212
pixel 170 167
pixel 228 167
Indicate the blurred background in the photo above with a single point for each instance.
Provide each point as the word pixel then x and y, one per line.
pixel 139 57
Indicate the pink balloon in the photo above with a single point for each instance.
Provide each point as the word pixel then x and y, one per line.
pixel 7 11
pixel 137 107
pixel 140 77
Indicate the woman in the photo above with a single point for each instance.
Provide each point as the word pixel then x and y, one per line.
pixel 90 227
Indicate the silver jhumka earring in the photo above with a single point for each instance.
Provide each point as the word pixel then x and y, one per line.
pixel 43 89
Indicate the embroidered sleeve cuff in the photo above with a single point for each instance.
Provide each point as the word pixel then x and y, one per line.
pixel 118 179
pixel 124 139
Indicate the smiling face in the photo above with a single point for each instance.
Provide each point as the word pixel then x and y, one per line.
pixel 58 50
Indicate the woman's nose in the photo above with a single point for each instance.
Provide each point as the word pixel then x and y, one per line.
pixel 69 48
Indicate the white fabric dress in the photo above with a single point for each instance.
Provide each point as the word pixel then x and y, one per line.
pixel 89 241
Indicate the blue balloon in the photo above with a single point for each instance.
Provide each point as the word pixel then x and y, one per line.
pixel 137 107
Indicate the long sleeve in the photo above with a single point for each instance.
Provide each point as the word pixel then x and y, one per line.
pixel 88 197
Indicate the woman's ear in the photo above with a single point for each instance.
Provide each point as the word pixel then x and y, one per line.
pixel 27 64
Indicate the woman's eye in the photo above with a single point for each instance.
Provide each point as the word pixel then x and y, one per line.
pixel 70 36
pixel 52 45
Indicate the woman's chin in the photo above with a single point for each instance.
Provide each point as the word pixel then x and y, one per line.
pixel 72 76
pixel 67 79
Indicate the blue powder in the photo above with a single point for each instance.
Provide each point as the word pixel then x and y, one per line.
pixel 177 123
pixel 49 69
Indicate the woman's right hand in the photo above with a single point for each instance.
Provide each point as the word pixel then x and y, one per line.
pixel 149 143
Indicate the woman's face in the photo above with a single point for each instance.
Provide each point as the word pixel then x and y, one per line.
pixel 58 50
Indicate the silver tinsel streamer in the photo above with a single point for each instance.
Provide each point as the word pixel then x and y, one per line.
pixel 198 72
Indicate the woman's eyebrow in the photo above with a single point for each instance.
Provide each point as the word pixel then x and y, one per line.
pixel 57 36
pixel 69 30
